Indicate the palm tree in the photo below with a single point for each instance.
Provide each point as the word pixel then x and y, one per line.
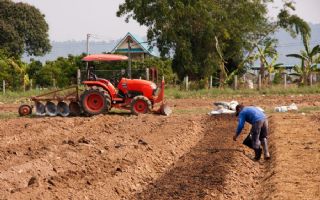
pixel 309 60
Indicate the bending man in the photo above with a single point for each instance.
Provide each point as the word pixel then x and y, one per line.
pixel 259 129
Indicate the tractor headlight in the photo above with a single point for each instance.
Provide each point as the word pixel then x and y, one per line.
pixel 153 86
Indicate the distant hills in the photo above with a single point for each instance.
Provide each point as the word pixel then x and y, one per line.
pixel 287 45
pixel 63 49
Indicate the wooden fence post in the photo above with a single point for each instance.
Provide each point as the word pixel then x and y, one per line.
pixel 235 82
pixel 78 77
pixel 259 82
pixel 210 86
pixel 4 87
pixel 285 80
pixel 30 84
pixel 187 82
pixel 147 74
pixel 311 79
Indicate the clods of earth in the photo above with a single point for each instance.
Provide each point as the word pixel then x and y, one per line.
pixel 188 155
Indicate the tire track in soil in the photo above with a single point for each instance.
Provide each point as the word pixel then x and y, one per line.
pixel 215 168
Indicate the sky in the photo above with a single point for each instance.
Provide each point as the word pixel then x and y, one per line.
pixel 74 19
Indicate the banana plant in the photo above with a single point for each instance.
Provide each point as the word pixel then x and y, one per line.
pixel 20 69
pixel 265 51
pixel 309 60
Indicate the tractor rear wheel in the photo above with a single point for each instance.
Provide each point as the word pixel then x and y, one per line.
pixel 140 105
pixel 95 101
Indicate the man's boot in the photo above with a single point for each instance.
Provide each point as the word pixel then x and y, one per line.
pixel 257 153
pixel 264 144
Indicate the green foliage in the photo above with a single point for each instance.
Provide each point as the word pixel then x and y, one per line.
pixel 277 78
pixel 23 28
pixel 199 85
pixel 292 23
pixel 13 71
pixel 309 60
pixel 189 29
pixel 62 71
pixel 163 66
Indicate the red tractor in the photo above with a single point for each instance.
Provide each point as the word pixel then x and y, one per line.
pixel 138 96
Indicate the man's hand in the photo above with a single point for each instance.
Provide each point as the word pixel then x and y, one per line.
pixel 235 138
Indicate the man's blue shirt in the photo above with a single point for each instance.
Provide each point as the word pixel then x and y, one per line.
pixel 251 115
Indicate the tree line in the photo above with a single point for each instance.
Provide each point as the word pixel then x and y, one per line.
pixel 219 37
pixel 196 38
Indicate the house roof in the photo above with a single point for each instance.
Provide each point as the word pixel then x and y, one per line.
pixel 138 45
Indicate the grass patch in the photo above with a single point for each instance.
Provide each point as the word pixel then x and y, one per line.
pixel 309 109
pixel 176 93
pixel 191 111
pixel 8 115
pixel 20 96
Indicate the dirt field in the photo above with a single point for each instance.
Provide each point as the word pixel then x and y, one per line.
pixel 188 155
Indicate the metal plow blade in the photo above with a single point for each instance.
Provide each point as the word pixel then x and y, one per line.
pixel 51 109
pixel 63 109
pixel 164 110
pixel 40 109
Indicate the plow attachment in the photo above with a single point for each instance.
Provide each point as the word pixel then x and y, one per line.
pixel 163 110
pixel 54 103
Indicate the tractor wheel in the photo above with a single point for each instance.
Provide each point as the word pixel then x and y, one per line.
pixel 140 105
pixel 25 110
pixel 95 101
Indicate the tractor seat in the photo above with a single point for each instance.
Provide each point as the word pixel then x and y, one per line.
pixel 121 94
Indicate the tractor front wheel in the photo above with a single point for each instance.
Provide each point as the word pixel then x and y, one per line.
pixel 140 105
pixel 95 101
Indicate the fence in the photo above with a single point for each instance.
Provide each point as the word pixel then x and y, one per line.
pixel 257 82
pixel 114 76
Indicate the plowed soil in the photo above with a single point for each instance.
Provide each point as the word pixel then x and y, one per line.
pixel 188 155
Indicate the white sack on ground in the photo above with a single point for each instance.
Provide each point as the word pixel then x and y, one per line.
pixel 292 106
pixel 224 108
